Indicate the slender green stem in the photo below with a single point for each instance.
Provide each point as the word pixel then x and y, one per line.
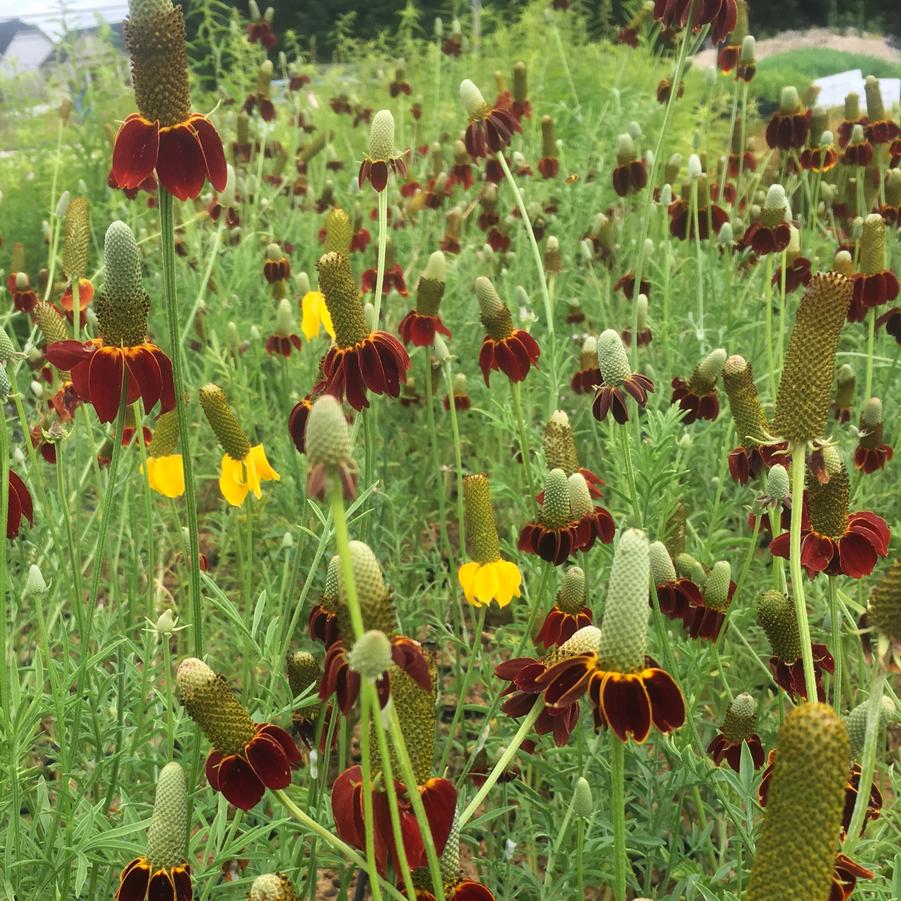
pixel 436 457
pixel 458 457
pixel 623 432
pixel 534 607
pixel 368 814
pixel 617 810
pixel 871 348
pixel 342 539
pixel 383 246
pixel 699 257
pixel 837 653
pixel 4 519
pixel 502 763
pixel 566 69
pixel 516 392
pixel 768 312
pixel 797 576
pixel 780 338
pixel 425 831
pixel 167 242
pixel 580 871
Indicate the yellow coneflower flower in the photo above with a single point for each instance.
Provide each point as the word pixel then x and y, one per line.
pixel 315 315
pixel 165 470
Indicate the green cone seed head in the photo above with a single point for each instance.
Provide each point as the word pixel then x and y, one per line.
pixel 450 857
pixel 744 402
pixel 872 245
pixel 5 385
pixel 807 790
pixel 342 299
pixel 571 596
pixel 303 671
pixel 264 78
pixel 893 187
pixel 76 238
pixel 375 600
pixel 885 603
pixel 871 416
pixel 716 588
pixel 802 404
pixel 17 259
pixel 7 348
pixel 329 596
pixel 473 101
pixel 338 232
pixel 123 305
pixel 155 37
pixel 481 531
pixel 586 640
pixel 856 724
pixel 166 835
pixel 624 631
pixel 370 655
pixel 843 263
pixel 844 386
pixel 53 327
pixel 555 511
pixel 858 135
pixel 625 149
pixel 493 311
pixel 789 100
pixel 430 288
pixel 588 358
pixel 689 568
pixel 778 486
pixel 284 318
pixel 559 444
pixel 613 361
pixel 210 702
pixel 703 379
pixel 583 802
pixel 829 503
pixel 852 107
pixel 232 438
pixel 579 496
pixel 775 207
pixel 327 437
pixel 315 147
pixel 381 136
pixel 662 569
pixel 459 385
pixel 165 435
pixel 875 106
pixel 741 718
pixel 520 82
pixel 272 887
pixel 776 616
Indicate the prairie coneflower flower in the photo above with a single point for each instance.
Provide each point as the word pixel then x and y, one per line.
pixel 490 129
pixel 548 165
pixel 858 151
pixel 399 85
pixel 676 595
pixel 836 541
pixel 246 757
pixel 487 576
pixel 720 15
pixel 711 218
pixel 729 53
pixel 569 613
pixel 297 421
pixel 259 28
pixel 504 348
pixel 183 147
pixel 327 445
pixel 644 333
pixel 165 470
pixel 588 376
pixel 243 466
pixel 554 535
pixel 323 619
pixel 519 104
pixel 304 677
pixel 121 359
pixel 283 340
pixel 360 360
pixel 807 792
pixel 706 619
pixel 746 460
pixel 875 283
pixel 881 128
pixel 456 886
pixel 771 233
pixel 560 452
pixel 276 268
pixel 23 295
pixel 747 60
pixel 626 284
pixel 776 616
pixel 822 157
pixel 697 396
pixel 850 118
pixel 741 158
pixel 19 505
pixel 618 380
pixel 162 874
pixel 262 97
pixel 420 325
pixel 627 690
pixel 393 279
pixel 788 126
pixel 459 395
pixel 630 174
pixel 382 155
pixel 871 452
pixel 738 729
pixel 272 887
pixel 845 874
pixel 592 523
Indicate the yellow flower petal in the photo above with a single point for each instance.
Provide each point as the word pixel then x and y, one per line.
pixel 315 314
pixel 231 481
pixel 509 578
pixel 166 475
pixel 237 477
pixel 466 577
pixel 486 584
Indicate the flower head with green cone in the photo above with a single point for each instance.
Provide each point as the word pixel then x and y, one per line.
pixel 554 535
pixel 164 135
pixel 165 470
pixel 618 380
pixel 382 156
pixel 627 690
pixel 329 449
pixel 569 613
pixel 243 466
pixel 697 395
pixel 487 577
pixel 490 128
pixel 323 620
pixel 738 729
pixel 272 887
pixel 506 349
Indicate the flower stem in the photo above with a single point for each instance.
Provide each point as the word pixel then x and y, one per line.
pixel 515 391
pixel 458 457
pixel 368 815
pixel 167 242
pixel 4 519
pixel 835 618
pixel 630 472
pixel 383 246
pixel 617 806
pixel 797 576
pixel 502 763
pixel 436 459
pixel 342 540
pixel 871 347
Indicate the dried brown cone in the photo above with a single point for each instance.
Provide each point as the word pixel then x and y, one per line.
pixel 802 404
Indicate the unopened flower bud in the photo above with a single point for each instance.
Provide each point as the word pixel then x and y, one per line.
pixel 34 583
pixel 583 803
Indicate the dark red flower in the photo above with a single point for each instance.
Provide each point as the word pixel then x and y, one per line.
pixel 553 545
pixel 626 284
pixel 340 680
pixel 261 33
pixel 560 626
pixel 846 129
pixel 891 321
pixel 727 57
pixel 871 459
pixel 790 675
pixel 276 270
pixel 439 798
pixel 98 372
pixel 696 406
pixel 462 402
pixel 629 703
pixel 882 131
pixel 681 225
pixel 788 131
pixel 452 46
pixel 419 329
pixel 282 344
pixel 858 153
pixel 628 36
pixel 460 174
pixel 595 526
pixel 549 166
pixel 612 398
pixel 266 106
pixel 665 89
pixel 378 363
pixel 744 463
pixel 764 239
pixel 297 421
pixel 184 155
pixel 393 280
pixel 818 159
pixel 141 881
pixel 586 380
pixel 720 15
pixel 678 597
pixel 741 161
pixel 854 553
pixel 797 275
pixel 721 748
pixel 397 88
pixel 490 132
pixel 264 762
pixel 23 295
pixel 323 625
pixel 19 506
pixel 376 171
pixel 845 874
pixel 628 178
pixel 706 622
pixel 513 355
pixel 462 890
pixel 871 291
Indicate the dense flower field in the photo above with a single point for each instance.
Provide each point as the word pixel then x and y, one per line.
pixel 462 471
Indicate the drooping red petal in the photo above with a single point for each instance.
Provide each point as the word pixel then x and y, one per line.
pixel 213 154
pixel 144 379
pixel 267 758
pixel 133 881
pixel 439 797
pixel 105 375
pixel 667 704
pixel 135 151
pixel 626 706
pixel 240 784
pixel 180 165
pixel 856 555
pixel 211 768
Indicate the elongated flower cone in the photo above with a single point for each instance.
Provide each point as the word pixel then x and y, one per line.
pixel 802 404
pixel 373 595
pixel 123 305
pixel 741 718
pixel 776 616
pixel 744 402
pixel 328 447
pixel 856 724
pixel 624 629
pixel 885 603
pixel 76 238
pixel 338 232
pixel 304 674
pixel 807 791
pixel 52 325
pixel 232 438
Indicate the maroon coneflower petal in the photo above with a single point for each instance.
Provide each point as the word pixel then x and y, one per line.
pixel 817 552
pixel 439 798
pixel 856 555
pixel 180 164
pixel 134 881
pixel 239 783
pixel 667 704
pixel 268 761
pixel 135 151
pixel 105 373
pixel 625 706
